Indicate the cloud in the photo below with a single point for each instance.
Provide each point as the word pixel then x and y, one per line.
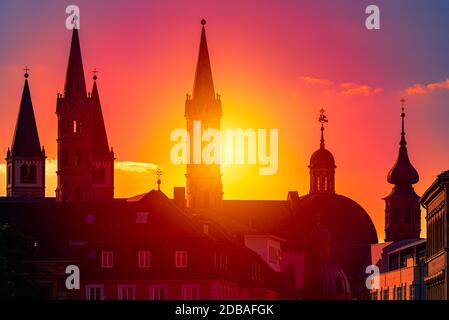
pixel 351 88
pixel 423 89
pixel 2 168
pixel 316 81
pixel 131 166
pixel 345 88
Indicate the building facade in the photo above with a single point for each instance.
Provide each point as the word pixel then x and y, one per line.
pixel 435 202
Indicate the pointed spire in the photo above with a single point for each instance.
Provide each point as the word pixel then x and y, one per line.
pixel 75 85
pixel 403 173
pixel 403 142
pixel 203 87
pixel 26 138
pixel 100 145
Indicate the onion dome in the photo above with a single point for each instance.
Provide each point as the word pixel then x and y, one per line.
pixel 403 172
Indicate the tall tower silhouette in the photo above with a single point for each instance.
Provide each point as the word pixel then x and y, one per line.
pixel 203 181
pixel 25 161
pixel 402 209
pixel 322 165
pixel 85 163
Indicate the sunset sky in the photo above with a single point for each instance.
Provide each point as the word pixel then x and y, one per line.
pixel 275 64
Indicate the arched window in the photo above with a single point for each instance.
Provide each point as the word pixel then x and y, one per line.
pixel 32 173
pixel 101 175
pixel 94 175
pixel 325 187
pixel 24 175
pixel 75 126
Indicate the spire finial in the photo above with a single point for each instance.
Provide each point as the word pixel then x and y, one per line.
pixel 203 22
pixel 403 142
pixel 95 71
pixel 159 174
pixel 26 69
pixel 322 119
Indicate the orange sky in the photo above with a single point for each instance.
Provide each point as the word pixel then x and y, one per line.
pixel 273 66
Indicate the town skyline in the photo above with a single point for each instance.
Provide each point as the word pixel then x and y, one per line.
pixel 297 142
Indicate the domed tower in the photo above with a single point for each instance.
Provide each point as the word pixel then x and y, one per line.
pixel 402 210
pixel 322 165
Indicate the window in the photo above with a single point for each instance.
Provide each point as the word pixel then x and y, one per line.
pixel 181 259
pixel 9 174
pixel 412 292
pixel 75 126
pixel 273 255
pixel 190 292
pixel 144 259
pixel 142 217
pixel 107 259
pixel 220 260
pixel 32 173
pixel 90 218
pixel 101 175
pixel 24 175
pixel 94 292
pixel 399 293
pixel 158 292
pixel 126 292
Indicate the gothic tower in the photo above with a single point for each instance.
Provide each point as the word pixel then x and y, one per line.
pixel 322 165
pixel 85 163
pixel 402 210
pixel 202 111
pixel 25 161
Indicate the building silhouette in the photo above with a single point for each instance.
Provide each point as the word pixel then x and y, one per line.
pixel 435 202
pixel 401 258
pixel 25 161
pixel 85 162
pixel 196 245
pixel 204 188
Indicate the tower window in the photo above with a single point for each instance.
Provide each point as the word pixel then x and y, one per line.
pixel 101 175
pixel 32 173
pixel 9 174
pixel 24 174
pixel 75 126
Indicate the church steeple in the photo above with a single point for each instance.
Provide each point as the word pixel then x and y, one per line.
pixel 26 157
pixel 203 181
pixel 26 138
pixel 75 85
pixel 203 86
pixel 402 210
pixel 102 156
pixel 322 165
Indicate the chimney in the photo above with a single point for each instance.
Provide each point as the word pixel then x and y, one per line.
pixel 179 196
